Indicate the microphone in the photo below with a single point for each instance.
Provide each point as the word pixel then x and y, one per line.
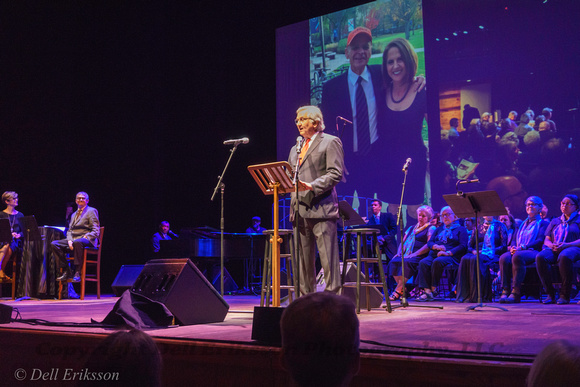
pixel 468 181
pixel 237 141
pixel 407 162
pixel 299 144
pixel 172 234
pixel 343 119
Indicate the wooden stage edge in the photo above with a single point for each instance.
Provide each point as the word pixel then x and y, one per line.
pixel 409 347
pixel 208 363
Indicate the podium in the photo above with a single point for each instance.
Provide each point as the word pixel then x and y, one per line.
pixel 274 179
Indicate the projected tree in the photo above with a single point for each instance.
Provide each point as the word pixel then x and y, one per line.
pixel 407 12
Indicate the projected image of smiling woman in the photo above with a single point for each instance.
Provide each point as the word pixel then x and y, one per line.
pixel 401 121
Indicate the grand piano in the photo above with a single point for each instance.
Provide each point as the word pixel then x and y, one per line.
pixel 203 246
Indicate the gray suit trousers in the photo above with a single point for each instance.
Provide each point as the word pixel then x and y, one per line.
pixel 319 233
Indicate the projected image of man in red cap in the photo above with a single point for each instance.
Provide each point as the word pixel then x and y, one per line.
pixel 357 95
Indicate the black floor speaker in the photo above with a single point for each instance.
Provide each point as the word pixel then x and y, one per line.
pixel 183 289
pixel 375 294
pixel 266 325
pixel 126 278
pixel 5 313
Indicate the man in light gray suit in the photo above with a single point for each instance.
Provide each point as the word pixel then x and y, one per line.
pixel 321 169
pixel 83 231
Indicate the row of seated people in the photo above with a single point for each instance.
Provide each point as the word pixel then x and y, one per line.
pixel 428 251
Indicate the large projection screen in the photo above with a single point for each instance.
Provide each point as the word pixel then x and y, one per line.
pixel 313 68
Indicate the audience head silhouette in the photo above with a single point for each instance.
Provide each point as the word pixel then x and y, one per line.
pixel 132 355
pixel 320 340
pixel 558 364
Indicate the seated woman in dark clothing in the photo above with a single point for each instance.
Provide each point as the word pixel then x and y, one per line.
pixel 522 251
pixel 561 246
pixel 447 246
pixel 510 224
pixel 414 247
pixel 10 198
pixel 492 235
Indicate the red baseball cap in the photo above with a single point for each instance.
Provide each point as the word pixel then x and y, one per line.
pixel 357 31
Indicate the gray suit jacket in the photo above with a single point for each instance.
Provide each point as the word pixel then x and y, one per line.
pixel 322 167
pixel 87 226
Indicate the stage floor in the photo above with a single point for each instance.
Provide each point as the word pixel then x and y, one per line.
pixel 521 331
pixel 408 347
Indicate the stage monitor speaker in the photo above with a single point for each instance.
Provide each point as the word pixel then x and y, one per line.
pixel 375 294
pixel 5 314
pixel 183 289
pixel 126 278
pixel 266 325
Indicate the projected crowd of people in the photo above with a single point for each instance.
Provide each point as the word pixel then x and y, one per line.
pixel 515 158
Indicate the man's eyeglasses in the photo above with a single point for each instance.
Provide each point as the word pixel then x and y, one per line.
pixel 447 215
pixel 301 119
pixel 532 204
pixel 81 198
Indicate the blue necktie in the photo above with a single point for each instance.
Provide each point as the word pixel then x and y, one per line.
pixel 362 120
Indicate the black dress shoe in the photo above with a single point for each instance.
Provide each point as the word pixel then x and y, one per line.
pixel 77 277
pixel 64 276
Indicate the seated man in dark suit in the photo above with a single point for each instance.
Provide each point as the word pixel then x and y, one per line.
pixel 387 240
pixel 83 231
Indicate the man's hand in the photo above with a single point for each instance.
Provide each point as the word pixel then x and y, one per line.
pixel 558 247
pixel 70 245
pixel 438 247
pixel 308 186
pixel 420 83
pixel 381 240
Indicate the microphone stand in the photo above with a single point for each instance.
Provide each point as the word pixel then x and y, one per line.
pixel 221 186
pixel 341 131
pixel 296 219
pixel 404 303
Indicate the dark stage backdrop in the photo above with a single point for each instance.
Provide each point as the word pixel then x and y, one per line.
pixel 131 101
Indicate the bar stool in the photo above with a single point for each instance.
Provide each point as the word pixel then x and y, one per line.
pixel 363 262
pixel 286 256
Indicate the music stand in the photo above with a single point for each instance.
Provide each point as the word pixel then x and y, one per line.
pixel 5 231
pixel 273 179
pixel 31 233
pixel 348 215
pixel 476 204
pixel 30 228
pixel 349 218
